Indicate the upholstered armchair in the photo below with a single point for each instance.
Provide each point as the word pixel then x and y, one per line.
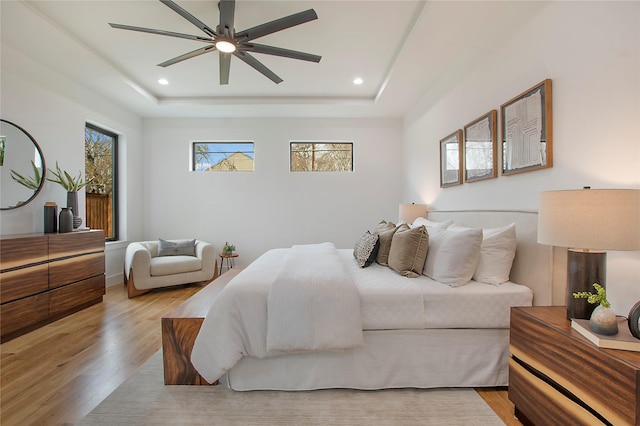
pixel 160 263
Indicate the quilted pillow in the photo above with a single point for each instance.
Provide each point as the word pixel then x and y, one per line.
pixel 409 250
pixel 366 249
pixel 497 251
pixel 176 248
pixel 453 255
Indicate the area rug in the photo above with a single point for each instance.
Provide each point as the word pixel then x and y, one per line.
pixel 144 400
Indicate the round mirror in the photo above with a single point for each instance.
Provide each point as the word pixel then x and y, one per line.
pixel 22 166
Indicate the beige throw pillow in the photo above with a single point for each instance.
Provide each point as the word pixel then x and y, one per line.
pixel 408 252
pixel 385 231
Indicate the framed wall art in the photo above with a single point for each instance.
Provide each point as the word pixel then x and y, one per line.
pixel 480 148
pixel 526 125
pixel 451 160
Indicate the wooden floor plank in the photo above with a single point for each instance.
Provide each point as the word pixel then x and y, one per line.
pixel 60 372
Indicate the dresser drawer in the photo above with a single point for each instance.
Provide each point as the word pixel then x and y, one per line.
pixel 70 270
pixel 22 251
pixel 24 282
pixel 75 243
pixel 23 313
pixel 76 296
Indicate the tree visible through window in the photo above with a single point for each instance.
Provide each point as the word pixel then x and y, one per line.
pixel 223 156
pixel 321 156
pixel 101 147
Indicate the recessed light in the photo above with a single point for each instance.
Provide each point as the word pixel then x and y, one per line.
pixel 163 81
pixel 358 81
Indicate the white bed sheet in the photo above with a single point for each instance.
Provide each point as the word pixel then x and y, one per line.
pixel 391 301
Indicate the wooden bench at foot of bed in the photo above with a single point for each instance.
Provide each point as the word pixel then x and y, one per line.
pixel 180 328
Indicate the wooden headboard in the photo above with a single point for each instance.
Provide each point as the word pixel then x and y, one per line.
pixel 532 265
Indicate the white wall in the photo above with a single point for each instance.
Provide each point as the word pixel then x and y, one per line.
pixel 591 51
pixel 54 111
pixel 271 206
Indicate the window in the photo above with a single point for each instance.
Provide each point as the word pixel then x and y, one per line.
pixel 101 166
pixel 321 156
pixel 223 157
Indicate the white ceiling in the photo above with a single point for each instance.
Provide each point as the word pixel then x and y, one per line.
pixel 406 51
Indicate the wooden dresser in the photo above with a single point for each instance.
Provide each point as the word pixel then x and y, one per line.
pixel 44 277
pixel 557 376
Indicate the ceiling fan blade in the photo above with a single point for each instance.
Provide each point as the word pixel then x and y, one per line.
pixel 227 12
pixel 160 32
pixel 278 51
pixel 225 65
pixel 277 25
pixel 189 55
pixel 189 17
pixel 259 66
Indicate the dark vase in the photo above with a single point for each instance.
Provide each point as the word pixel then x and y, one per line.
pixel 72 203
pixel 66 220
pixel 50 218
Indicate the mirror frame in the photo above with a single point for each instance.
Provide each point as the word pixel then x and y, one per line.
pixel 44 167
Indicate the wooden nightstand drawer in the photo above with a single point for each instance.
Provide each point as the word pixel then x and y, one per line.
pixel 67 271
pixel 76 296
pixel 544 404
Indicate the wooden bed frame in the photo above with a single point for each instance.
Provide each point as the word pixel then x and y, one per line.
pixel 532 267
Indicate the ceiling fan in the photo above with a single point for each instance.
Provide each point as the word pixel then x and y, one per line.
pixel 228 42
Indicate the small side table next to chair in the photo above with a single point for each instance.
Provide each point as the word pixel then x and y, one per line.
pixel 229 258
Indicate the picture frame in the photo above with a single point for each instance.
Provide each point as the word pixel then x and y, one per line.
pixel 526 130
pixel 634 320
pixel 480 148
pixel 451 159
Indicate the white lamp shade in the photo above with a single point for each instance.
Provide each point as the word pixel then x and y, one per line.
pixel 593 219
pixel 407 213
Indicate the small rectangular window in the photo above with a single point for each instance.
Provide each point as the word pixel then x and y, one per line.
pixel 101 170
pixel 321 156
pixel 223 157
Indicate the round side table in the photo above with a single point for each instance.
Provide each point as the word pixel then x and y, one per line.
pixel 229 258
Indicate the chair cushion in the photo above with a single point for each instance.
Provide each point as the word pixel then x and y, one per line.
pixel 168 265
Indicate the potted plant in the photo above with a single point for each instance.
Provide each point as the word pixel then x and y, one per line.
pixel 72 185
pixel 603 319
pixel 228 248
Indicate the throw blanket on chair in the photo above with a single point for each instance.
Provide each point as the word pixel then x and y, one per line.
pixel 313 303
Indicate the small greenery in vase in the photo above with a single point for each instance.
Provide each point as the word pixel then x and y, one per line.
pixel 228 248
pixel 28 181
pixel 603 319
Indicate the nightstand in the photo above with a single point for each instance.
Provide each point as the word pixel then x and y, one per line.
pixel 556 376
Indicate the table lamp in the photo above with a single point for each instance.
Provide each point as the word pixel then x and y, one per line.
pixel 407 213
pixel 588 222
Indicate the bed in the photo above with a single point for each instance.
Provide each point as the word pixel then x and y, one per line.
pixel 423 334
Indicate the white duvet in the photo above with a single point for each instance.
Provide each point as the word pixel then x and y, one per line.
pixel 301 299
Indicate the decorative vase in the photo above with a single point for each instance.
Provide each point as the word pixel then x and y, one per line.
pixel 50 217
pixel 66 220
pixel 604 321
pixel 72 203
pixel 229 252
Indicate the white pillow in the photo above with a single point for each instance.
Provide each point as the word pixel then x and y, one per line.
pixel 429 223
pixel 496 255
pixel 453 255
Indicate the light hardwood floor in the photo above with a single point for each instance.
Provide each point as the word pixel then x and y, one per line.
pixel 59 373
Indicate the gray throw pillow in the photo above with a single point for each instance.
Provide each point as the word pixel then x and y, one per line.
pixel 385 244
pixel 176 248
pixel 366 249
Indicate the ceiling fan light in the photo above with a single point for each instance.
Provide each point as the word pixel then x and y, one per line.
pixel 225 46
